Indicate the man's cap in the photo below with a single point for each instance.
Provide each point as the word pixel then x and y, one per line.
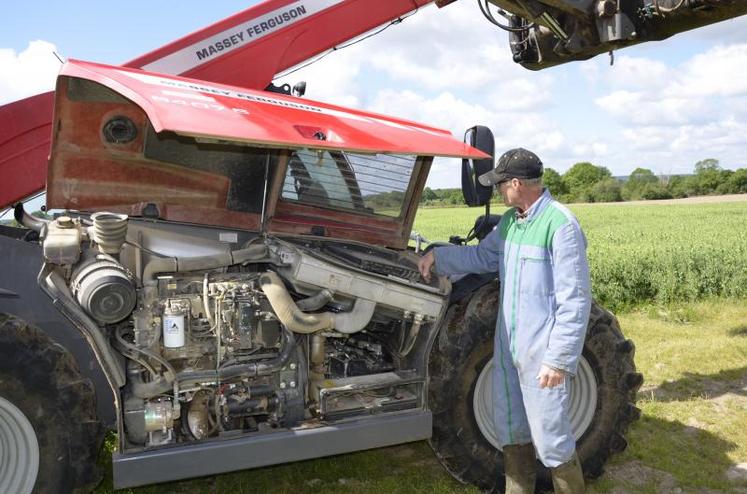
pixel 514 163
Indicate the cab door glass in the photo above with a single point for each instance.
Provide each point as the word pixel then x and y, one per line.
pixel 373 184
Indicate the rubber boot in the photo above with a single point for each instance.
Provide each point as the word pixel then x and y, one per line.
pixel 520 466
pixel 568 478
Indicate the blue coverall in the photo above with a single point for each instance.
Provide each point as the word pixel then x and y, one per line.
pixel 545 303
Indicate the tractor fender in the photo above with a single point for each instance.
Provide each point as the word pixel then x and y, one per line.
pixel 21 297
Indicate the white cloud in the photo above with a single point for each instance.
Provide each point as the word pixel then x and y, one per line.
pixel 655 93
pixel 676 149
pixel 680 114
pixel 29 72
pixel 333 79
pixel 639 73
pixel 511 129
pixel 717 72
pixel 523 94
pixel 447 48
pixel 644 109
pixel 446 110
pixel 590 150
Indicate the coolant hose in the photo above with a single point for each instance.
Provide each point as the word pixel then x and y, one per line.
pixel 297 321
pixel 315 302
pixel 200 263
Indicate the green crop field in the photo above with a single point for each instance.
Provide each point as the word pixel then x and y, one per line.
pixel 676 275
pixel 658 253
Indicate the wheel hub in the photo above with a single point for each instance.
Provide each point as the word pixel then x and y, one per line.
pixel 582 402
pixel 19 450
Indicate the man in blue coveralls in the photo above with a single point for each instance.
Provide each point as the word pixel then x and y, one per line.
pixel 539 251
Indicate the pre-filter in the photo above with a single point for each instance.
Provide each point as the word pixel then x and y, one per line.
pixel 109 231
pixel 173 328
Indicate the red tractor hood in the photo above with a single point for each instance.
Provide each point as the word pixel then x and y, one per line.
pixel 196 108
pixel 137 142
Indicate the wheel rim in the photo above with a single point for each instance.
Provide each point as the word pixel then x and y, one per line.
pixel 19 450
pixel 582 401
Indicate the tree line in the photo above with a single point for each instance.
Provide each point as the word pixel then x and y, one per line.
pixel 586 182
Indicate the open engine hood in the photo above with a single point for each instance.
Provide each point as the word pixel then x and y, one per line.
pixel 126 140
pixel 195 108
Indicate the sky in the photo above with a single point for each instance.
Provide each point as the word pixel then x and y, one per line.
pixel 662 106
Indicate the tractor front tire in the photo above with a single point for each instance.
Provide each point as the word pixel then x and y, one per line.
pixel 460 393
pixel 49 432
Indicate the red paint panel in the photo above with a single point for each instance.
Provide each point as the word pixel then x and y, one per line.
pixel 196 108
pixel 100 181
pixel 25 131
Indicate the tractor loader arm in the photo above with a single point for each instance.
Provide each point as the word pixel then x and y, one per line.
pixel 250 48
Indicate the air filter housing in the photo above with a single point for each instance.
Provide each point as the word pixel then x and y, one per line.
pixel 104 289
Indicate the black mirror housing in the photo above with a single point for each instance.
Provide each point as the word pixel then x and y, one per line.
pixel 476 194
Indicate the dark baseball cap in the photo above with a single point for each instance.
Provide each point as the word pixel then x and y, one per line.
pixel 514 163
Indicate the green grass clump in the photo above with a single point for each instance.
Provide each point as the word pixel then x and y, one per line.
pixel 693 401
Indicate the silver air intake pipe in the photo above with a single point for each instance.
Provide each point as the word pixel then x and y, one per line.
pixel 297 321
pixel 201 263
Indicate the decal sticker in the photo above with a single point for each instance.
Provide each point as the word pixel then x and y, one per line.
pixel 200 87
pixel 240 35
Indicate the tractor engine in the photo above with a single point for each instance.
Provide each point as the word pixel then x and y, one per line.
pixel 236 366
pixel 277 334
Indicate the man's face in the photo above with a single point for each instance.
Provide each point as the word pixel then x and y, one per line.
pixel 508 191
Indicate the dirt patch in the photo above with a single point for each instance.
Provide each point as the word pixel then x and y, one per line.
pixel 404 451
pixel 686 200
pixel 737 473
pixel 635 475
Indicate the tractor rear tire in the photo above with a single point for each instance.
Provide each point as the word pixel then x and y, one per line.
pixel 49 433
pixel 602 395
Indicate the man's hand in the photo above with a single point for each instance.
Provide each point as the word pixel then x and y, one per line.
pixel 549 377
pixel 425 264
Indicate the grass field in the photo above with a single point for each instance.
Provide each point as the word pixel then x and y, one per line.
pixel 653 264
pixel 658 253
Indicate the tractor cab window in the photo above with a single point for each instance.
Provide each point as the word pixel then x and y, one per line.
pixel 374 184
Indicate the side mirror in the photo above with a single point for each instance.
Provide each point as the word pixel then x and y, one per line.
pixel 476 194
